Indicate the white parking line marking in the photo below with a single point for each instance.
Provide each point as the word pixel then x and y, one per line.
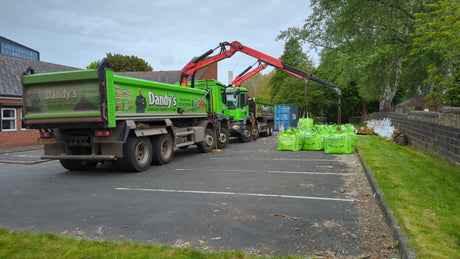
pixel 256 171
pixel 26 156
pixel 238 194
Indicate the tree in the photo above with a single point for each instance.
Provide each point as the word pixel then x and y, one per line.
pixel 438 30
pixel 258 85
pixel 122 63
pixel 372 40
pixel 335 67
pixel 285 87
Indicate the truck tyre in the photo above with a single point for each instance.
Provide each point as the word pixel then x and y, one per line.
pixel 223 139
pixel 246 134
pixel 209 141
pixel 163 149
pixel 78 165
pixel 137 154
pixel 270 130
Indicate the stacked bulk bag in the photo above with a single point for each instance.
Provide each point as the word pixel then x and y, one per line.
pixel 330 138
pixel 290 140
pixel 340 142
pixel 305 123
pixel 313 140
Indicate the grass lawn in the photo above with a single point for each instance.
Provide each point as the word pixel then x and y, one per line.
pixel 26 245
pixel 422 189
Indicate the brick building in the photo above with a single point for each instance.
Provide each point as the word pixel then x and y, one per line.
pixel 416 104
pixel 12 132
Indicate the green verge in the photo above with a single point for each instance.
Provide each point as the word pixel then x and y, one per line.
pixel 26 245
pixel 422 190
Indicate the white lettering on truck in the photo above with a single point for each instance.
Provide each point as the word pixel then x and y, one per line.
pixel 162 100
pixel 65 94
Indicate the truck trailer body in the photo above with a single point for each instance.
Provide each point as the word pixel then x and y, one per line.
pixel 91 116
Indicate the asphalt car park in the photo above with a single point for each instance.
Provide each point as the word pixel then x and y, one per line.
pixel 248 197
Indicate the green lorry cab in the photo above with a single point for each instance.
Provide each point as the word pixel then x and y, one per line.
pixel 90 116
pixel 218 108
pixel 248 116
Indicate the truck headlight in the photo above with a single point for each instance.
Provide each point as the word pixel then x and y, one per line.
pixel 235 127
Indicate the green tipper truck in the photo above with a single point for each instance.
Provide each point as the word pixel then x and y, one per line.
pixel 248 116
pixel 91 116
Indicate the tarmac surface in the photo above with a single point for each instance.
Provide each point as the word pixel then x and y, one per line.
pixel 22 155
pixel 248 197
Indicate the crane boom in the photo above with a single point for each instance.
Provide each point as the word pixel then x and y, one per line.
pixel 243 76
pixel 202 61
pixel 227 50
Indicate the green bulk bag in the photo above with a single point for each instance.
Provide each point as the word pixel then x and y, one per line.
pixel 289 140
pixel 350 128
pixel 342 142
pixel 305 123
pixel 313 141
pixel 319 127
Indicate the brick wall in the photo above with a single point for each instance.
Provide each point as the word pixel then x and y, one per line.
pixel 19 137
pixel 210 73
pixel 437 132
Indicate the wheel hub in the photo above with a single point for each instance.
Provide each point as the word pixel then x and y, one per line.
pixel 247 133
pixel 209 140
pixel 222 138
pixel 141 153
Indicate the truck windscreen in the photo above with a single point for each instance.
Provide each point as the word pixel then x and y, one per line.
pixel 232 100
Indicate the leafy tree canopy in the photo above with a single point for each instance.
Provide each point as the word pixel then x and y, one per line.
pixel 122 63
pixel 369 44
pixel 287 89
pixel 438 31
pixel 258 85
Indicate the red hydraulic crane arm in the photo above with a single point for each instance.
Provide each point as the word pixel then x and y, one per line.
pixel 281 65
pixel 202 61
pixel 243 76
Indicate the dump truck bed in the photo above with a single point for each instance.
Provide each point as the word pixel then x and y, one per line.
pixel 64 99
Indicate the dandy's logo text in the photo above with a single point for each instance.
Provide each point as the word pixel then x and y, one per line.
pixel 162 100
pixel 65 94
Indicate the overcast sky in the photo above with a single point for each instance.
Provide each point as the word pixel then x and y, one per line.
pixel 165 33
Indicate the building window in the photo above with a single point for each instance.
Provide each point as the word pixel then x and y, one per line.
pixel 13 49
pixel 9 119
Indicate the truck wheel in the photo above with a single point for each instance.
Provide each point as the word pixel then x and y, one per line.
pixel 246 134
pixel 137 154
pixel 209 141
pixel 78 165
pixel 162 149
pixel 223 138
pixel 270 130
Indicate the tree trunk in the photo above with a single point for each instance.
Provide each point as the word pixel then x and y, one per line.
pixel 389 92
pixel 364 107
